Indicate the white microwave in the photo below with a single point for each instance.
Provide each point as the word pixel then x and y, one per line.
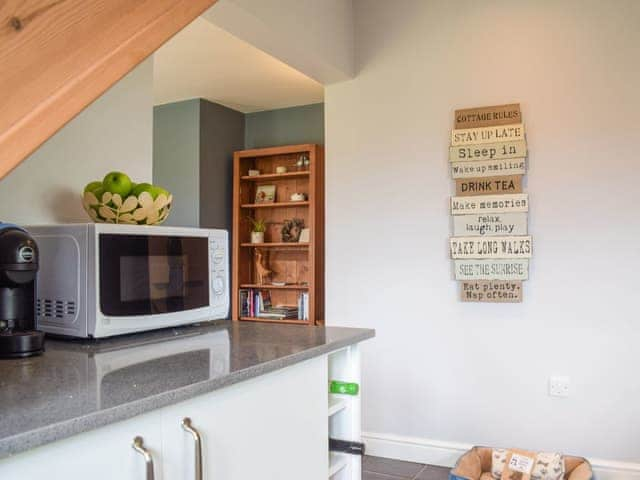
pixel 99 280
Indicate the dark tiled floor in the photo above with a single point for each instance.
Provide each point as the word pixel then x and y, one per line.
pixel 378 468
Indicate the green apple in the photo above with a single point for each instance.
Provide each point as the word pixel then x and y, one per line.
pixel 142 187
pixel 92 186
pixel 117 182
pixel 153 190
pixel 157 191
pixel 98 192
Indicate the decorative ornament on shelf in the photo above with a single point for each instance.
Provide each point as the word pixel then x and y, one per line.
pixel 298 197
pixel 262 270
pixel 291 230
pixel 258 227
pixel 117 200
pixel 253 173
pixel 281 169
pixel 303 162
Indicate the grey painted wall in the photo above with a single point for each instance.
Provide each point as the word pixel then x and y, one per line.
pixel 176 158
pixel 193 145
pixel 285 126
pixel 221 133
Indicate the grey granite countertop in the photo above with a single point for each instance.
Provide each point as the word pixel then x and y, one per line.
pixel 76 386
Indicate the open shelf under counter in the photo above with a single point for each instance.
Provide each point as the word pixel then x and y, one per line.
pixel 274 287
pixel 276 205
pixel 337 462
pixel 337 403
pixel 275 176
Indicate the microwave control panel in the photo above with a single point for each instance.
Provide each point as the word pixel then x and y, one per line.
pixel 219 268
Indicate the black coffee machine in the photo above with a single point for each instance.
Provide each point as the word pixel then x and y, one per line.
pixel 18 274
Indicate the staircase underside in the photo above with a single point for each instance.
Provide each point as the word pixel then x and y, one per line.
pixel 57 56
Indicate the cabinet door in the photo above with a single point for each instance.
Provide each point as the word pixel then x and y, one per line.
pixel 102 454
pixel 273 427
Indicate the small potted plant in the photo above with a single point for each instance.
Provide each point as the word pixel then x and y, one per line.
pixel 258 227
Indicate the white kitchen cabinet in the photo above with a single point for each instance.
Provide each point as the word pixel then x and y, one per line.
pixel 272 427
pixel 102 454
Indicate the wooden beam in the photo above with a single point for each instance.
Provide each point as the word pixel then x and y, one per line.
pixel 58 56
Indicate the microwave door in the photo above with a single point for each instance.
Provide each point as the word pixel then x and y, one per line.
pixel 142 275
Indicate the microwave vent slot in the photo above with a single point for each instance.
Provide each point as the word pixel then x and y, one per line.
pixel 48 308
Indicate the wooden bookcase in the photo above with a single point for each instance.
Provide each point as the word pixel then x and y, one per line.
pixel 299 265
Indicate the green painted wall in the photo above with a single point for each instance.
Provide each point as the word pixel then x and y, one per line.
pixel 285 126
pixel 193 145
pixel 176 158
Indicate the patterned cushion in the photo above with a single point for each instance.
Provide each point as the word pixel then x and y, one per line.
pixel 548 466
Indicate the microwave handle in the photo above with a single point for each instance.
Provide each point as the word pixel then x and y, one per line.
pixel 138 446
pixel 188 427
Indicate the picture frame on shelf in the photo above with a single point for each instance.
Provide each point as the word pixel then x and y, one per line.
pixel 265 194
pixel 305 235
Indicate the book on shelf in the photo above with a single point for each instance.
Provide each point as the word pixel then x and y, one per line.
pixel 243 296
pixel 303 306
pixel 257 303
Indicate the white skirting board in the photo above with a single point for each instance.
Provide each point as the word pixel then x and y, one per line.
pixel 445 454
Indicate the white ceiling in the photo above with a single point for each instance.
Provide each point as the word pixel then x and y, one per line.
pixel 204 61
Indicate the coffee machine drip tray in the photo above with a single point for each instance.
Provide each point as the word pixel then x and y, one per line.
pixel 21 344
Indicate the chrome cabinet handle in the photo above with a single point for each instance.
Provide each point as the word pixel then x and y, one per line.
pixel 138 446
pixel 187 427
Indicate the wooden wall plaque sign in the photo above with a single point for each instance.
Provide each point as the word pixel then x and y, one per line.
pixel 489 168
pixel 488 116
pixel 517 269
pixel 517 202
pixel 470 187
pixel 491 291
pixel 491 247
pixel 474 136
pixel 490 224
pixel 489 151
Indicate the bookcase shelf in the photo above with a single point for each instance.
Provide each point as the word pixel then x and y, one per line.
pixel 271 320
pixel 275 176
pixel 276 205
pixel 274 287
pixel 300 265
pixel 276 245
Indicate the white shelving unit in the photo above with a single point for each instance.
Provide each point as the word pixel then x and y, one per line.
pixel 345 413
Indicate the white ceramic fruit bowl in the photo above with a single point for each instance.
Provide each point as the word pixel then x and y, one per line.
pixel 140 210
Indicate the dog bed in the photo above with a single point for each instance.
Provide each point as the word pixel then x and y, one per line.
pixel 484 463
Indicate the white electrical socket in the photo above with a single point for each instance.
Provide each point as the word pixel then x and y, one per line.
pixel 559 386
